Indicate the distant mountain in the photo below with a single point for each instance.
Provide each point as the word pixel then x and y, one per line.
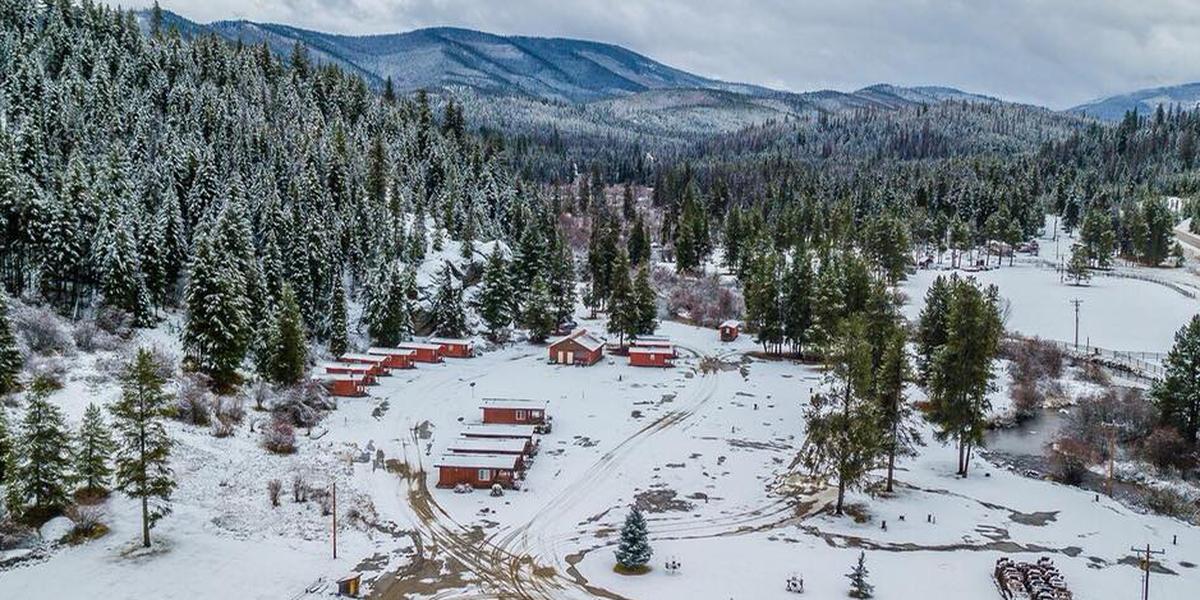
pixel 553 69
pixel 1112 108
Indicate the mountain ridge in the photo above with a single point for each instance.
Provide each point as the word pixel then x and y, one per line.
pixel 1145 101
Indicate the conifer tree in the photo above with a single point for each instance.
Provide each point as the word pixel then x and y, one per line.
pixel 859 588
pixel 842 426
pixel 1177 394
pixel 10 357
pixel 538 314
pixel 6 441
pixel 634 551
pixel 622 313
pixel 900 436
pixel 562 280
pixel 645 305
pixel 143 450
pixel 639 242
pixel 931 325
pixel 1078 269
pixel 289 346
pixel 339 341
pixel 449 317
pixel 495 297
pixel 93 451
pixel 764 308
pixel 628 208
pixel 387 312
pixel 797 300
pixel 216 334
pixel 39 469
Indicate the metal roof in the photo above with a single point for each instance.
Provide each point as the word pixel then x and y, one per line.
pixel 479 461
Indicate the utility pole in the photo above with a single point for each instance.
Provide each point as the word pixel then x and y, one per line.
pixel 1144 557
pixel 335 519
pixel 1111 429
pixel 1076 302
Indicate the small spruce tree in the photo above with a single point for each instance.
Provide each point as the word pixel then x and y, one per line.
pixel 10 358
pixel 143 445
pixel 859 588
pixel 634 550
pixel 289 352
pixel 39 470
pixel 495 298
pixel 449 318
pixel 339 341
pixel 93 451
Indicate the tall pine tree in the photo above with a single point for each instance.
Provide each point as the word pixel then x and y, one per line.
pixel 93 451
pixel 143 470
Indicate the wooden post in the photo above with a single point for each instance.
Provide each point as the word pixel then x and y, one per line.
pixel 335 519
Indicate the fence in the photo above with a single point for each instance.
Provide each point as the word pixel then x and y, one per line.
pixel 1147 365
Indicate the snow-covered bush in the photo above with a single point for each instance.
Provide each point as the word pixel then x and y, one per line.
pixel 1124 414
pixel 116 322
pixel 229 409
pixel 194 402
pixel 304 404
pixel 274 489
pixel 1069 460
pixel 1166 501
pixel 1093 372
pixel 41 330
pixel 52 370
pixel 703 301
pixel 90 338
pixel 279 436
pixel 261 393
pixel 299 489
pixel 88 521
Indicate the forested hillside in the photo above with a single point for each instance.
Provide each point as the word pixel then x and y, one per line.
pixel 144 172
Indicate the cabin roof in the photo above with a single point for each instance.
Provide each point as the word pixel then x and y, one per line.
pixel 478 461
pixel 500 429
pixel 583 338
pixel 502 445
pixel 336 377
pixel 390 351
pixel 360 356
pixel 731 323
pixel 454 341
pixel 419 346
pixel 344 365
pixel 656 349
pixel 516 403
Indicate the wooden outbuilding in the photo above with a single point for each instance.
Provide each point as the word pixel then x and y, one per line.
pixel 514 411
pixel 423 352
pixel 349 585
pixel 654 342
pixel 478 470
pixel 454 348
pixel 496 431
pixel 730 330
pixel 466 445
pixel 579 348
pixel 376 362
pixel 640 356
pixel 396 358
pixel 365 372
pixel 348 386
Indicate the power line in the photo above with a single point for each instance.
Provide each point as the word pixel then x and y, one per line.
pixel 1076 302
pixel 1144 557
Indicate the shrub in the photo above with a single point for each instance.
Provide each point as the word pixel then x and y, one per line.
pixel 1033 360
pixel 1171 503
pixel 229 409
pixel 299 489
pixel 1124 414
pixel 1027 398
pixel 193 403
pixel 304 404
pixel 51 371
pixel 262 394
pixel 42 331
pixel 116 322
pixel 1069 459
pixel 274 488
pixel 88 521
pixel 1093 372
pixel 279 436
pixel 703 301
pixel 91 338
pixel 1165 449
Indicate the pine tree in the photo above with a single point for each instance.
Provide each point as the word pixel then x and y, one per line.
pixel 143 451
pixel 900 436
pixel 538 314
pixel 339 341
pixel 842 427
pixel 6 442
pixel 93 451
pixel 387 312
pixel 628 208
pixel 495 297
pixel 39 469
pixel 10 357
pixel 216 334
pixel 931 325
pixel 859 588
pixel 797 300
pixel 1078 269
pixel 634 551
pixel 449 317
pixel 562 280
pixel 645 305
pixel 289 347
pixel 1177 394
pixel 764 309
pixel 639 242
pixel 622 313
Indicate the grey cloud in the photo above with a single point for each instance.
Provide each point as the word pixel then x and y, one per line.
pixel 1057 53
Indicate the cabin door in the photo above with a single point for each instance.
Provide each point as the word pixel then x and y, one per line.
pixel 570 357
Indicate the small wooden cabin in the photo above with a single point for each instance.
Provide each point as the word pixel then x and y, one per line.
pixel 579 348
pixel 496 431
pixel 730 330
pixel 423 352
pixel 396 358
pixel 349 585
pixel 514 411
pixel 654 342
pixel 466 445
pixel 348 386
pixel 478 470
pixel 640 356
pixel 376 362
pixel 365 372
pixel 454 348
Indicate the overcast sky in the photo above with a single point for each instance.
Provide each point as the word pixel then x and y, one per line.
pixel 1052 52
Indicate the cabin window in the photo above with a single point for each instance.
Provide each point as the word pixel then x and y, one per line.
pixel 520 416
pixel 537 414
pixel 485 474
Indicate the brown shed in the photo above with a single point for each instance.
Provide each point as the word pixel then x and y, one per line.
pixel 579 348
pixel 730 330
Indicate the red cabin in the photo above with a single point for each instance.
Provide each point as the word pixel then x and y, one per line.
pixel 514 412
pixel 494 431
pixel 651 357
pixel 348 386
pixel 478 470
pixel 359 370
pixel 377 363
pixel 422 352
pixel 466 445
pixel 395 358
pixel 579 348
pixel 730 330
pixel 454 348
